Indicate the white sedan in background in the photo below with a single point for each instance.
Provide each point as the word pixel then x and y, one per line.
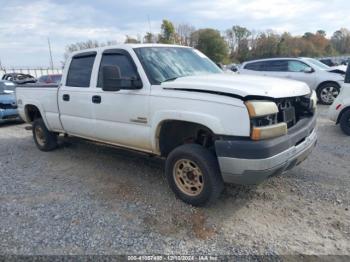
pixel 320 77
pixel 339 111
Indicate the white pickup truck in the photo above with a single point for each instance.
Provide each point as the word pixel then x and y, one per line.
pixel 173 102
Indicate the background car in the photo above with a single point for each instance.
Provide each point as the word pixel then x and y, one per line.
pixel 320 77
pixel 328 61
pixel 50 79
pixel 339 111
pixel 8 106
pixel 19 78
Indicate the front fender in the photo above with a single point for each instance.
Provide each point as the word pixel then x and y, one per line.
pixel 208 121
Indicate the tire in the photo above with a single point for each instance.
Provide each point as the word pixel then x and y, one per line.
pixel 327 93
pixel 345 122
pixel 43 138
pixel 205 174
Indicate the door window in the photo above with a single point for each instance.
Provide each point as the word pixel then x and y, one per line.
pixel 80 69
pixel 297 66
pixel 276 66
pixel 255 66
pixel 125 65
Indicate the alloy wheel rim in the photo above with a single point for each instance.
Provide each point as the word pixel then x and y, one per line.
pixel 188 177
pixel 328 94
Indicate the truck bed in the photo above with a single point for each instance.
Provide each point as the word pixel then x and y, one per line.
pixel 42 96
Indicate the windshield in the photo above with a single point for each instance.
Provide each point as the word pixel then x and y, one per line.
pixel 318 64
pixel 168 63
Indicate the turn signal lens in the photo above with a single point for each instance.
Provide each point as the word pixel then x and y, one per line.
pixel 265 132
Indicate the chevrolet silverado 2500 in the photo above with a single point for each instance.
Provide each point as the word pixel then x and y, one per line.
pixel 175 103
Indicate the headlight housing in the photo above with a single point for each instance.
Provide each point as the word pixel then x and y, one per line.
pixel 314 100
pixel 263 119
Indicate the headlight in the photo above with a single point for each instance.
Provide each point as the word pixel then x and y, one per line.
pixel 261 108
pixel 314 100
pixel 263 119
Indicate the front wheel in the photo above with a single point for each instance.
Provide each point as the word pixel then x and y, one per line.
pixel 193 174
pixel 43 138
pixel 345 122
pixel 327 93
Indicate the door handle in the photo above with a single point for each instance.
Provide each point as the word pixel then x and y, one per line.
pixel 96 99
pixel 65 97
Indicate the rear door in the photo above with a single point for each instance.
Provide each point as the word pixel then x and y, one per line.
pixel 74 96
pixel 276 68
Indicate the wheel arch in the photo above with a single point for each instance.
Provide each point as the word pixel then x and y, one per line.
pixel 327 82
pixel 341 113
pixel 208 121
pixel 34 111
pixel 171 133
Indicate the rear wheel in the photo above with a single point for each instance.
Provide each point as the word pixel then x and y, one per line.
pixel 43 138
pixel 327 93
pixel 193 174
pixel 345 122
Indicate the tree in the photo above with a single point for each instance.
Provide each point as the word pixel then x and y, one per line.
pixel 149 38
pixel 80 46
pixel 167 35
pixel 212 44
pixel 183 33
pixel 321 32
pixel 131 40
pixel 341 41
pixel 238 41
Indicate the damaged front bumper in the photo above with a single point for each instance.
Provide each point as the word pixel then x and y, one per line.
pixel 243 161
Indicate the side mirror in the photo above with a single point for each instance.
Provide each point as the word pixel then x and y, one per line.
pixel 112 80
pixel 308 70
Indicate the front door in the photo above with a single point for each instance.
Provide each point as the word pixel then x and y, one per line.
pixel 300 71
pixel 122 117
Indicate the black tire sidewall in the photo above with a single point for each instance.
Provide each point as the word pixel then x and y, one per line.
pixel 344 122
pixel 207 162
pixel 319 90
pixel 50 138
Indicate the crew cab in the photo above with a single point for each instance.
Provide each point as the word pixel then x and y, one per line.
pixel 339 111
pixel 175 103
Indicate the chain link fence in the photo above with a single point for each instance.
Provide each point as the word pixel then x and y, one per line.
pixel 36 72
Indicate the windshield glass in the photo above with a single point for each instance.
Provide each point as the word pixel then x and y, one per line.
pixel 168 63
pixel 318 64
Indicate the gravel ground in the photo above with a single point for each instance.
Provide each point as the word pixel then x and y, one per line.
pixel 87 198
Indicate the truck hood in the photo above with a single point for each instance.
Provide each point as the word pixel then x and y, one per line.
pixel 239 85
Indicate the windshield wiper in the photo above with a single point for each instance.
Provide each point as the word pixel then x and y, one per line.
pixel 171 79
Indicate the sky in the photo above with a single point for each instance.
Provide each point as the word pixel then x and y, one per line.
pixel 26 25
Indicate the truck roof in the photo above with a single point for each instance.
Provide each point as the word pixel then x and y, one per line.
pixel 125 46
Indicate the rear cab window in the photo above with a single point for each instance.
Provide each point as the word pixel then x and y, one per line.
pixel 80 69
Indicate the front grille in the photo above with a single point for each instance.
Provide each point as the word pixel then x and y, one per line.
pixel 292 109
pixel 8 106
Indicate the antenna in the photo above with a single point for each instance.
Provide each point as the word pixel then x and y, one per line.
pixel 149 25
pixel 51 61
